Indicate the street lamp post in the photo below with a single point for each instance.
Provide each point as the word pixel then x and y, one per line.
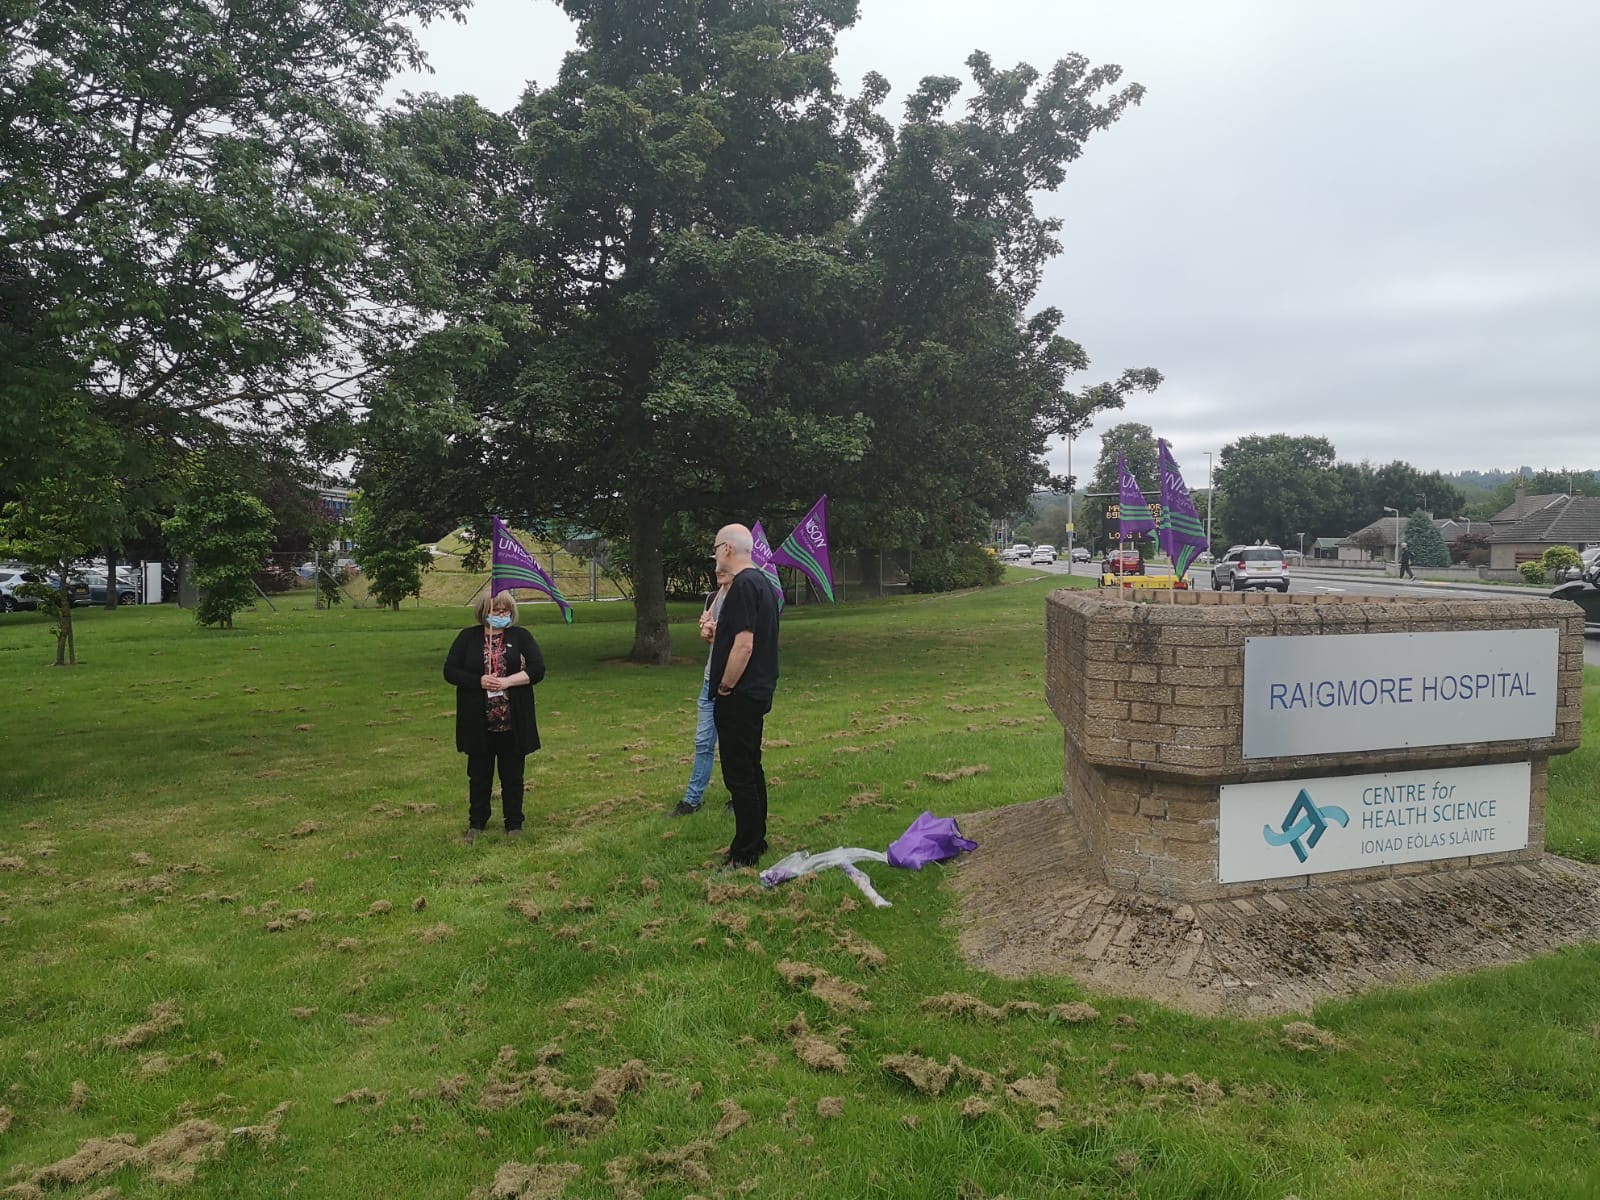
pixel 1208 502
pixel 1302 547
pixel 1072 486
pixel 1396 513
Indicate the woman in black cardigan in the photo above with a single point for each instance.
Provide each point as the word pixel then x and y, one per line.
pixel 494 666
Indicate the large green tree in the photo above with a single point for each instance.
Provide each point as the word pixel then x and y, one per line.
pixel 184 217
pixel 1364 491
pixel 1135 442
pixel 1274 487
pixel 692 279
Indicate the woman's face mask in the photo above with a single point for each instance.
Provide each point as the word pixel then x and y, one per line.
pixel 498 620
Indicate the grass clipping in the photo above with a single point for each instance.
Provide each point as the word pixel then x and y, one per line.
pixel 170 1157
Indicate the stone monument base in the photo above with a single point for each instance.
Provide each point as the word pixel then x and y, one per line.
pixel 1034 901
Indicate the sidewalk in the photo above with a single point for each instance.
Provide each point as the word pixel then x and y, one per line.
pixel 1309 575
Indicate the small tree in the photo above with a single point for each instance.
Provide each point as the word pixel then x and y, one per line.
pixel 1426 542
pixel 1471 549
pixel 59 520
pixel 226 532
pixel 1558 560
pixel 392 562
pixel 1370 539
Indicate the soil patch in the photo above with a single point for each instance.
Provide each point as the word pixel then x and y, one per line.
pixel 163 1018
pixel 1032 903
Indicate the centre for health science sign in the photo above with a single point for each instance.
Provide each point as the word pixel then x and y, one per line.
pixel 1308 826
pixel 1379 691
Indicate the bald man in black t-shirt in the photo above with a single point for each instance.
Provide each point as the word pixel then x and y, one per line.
pixel 744 676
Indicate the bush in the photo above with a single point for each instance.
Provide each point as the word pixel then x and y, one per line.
pixel 1558 560
pixel 951 568
pixel 1533 572
pixel 1471 549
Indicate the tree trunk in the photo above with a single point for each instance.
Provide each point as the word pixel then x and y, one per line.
pixel 652 640
pixel 111 578
pixel 66 649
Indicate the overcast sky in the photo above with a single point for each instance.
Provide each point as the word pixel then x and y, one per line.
pixel 1377 222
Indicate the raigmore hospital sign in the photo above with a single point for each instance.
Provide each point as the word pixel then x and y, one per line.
pixel 1307 695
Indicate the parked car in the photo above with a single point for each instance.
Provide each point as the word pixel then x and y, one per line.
pixel 1043 555
pixel 1081 554
pixel 95 581
pixel 1124 562
pixel 1251 566
pixel 13 595
pixel 1585 593
pixel 1588 559
pixel 11 581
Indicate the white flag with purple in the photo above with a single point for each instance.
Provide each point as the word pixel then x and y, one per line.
pixel 806 549
pixel 512 567
pixel 1181 535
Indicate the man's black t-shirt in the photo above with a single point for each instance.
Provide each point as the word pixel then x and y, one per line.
pixel 750 606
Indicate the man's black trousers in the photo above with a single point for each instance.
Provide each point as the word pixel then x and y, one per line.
pixel 739 725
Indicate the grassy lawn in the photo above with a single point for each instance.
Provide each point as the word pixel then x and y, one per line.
pixel 238 926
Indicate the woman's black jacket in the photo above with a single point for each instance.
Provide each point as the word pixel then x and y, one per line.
pixel 463 666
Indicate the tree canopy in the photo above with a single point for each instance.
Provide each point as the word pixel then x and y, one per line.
pixel 185 223
pixel 692 278
pixel 1278 486
pixel 1136 443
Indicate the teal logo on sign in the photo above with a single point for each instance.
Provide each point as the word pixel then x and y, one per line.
pixel 1307 821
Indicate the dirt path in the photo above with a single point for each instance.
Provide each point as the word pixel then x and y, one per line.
pixel 1031 903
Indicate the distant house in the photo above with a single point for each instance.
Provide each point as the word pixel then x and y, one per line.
pixel 1526 529
pixel 1521 506
pixel 1376 540
pixel 1453 530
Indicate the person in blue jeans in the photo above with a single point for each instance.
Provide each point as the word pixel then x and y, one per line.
pixel 705 728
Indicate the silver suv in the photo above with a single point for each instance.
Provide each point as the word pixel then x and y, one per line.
pixel 11 580
pixel 1251 566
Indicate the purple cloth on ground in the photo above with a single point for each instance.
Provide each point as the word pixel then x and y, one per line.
pixel 928 839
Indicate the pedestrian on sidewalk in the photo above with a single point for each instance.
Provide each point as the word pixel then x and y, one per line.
pixel 1405 561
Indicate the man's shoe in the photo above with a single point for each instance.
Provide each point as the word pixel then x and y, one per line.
pixel 684 809
pixel 513 833
pixel 472 835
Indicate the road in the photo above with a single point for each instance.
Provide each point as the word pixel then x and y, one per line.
pixel 1330 580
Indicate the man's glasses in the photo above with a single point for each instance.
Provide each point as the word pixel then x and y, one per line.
pixel 717 547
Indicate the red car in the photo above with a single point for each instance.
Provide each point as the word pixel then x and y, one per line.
pixel 1124 562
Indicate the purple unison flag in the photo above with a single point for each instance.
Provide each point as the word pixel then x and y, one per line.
pixel 1181 534
pixel 512 567
pixel 1135 513
pixel 807 548
pixel 761 555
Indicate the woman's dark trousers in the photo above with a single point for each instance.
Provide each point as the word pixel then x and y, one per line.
pixel 503 753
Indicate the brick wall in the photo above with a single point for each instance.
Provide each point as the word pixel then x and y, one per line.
pixel 1150 694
